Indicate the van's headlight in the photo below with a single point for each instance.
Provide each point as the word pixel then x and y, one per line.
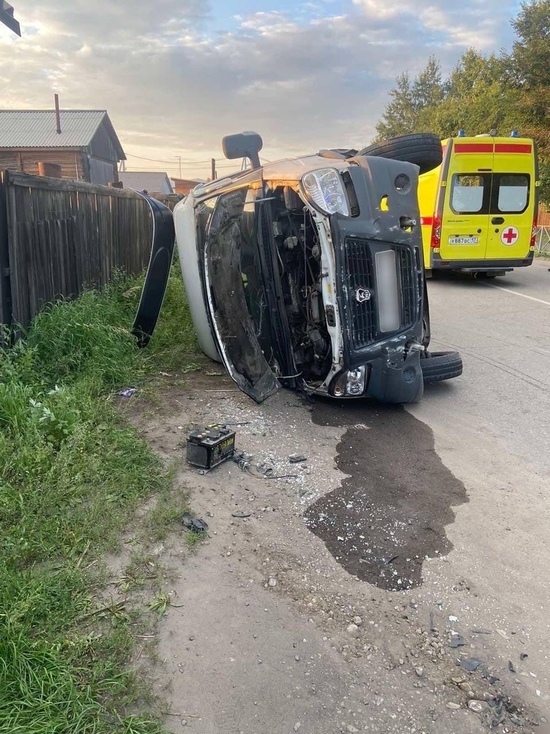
pixel 325 190
pixel 350 383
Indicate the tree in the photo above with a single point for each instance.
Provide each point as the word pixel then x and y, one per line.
pixel 530 58
pixel 428 90
pixel 477 98
pixel 529 72
pixel 401 116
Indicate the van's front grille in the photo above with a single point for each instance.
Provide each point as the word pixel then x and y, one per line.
pixel 359 279
pixel 360 287
pixel 407 280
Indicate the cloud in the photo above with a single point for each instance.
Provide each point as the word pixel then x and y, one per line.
pixel 174 84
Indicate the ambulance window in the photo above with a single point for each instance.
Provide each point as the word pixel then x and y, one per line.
pixel 467 193
pixel 513 192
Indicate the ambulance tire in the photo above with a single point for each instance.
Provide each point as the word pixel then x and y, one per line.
pixel 424 149
pixel 438 366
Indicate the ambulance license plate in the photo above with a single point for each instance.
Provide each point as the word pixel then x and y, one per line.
pixel 464 240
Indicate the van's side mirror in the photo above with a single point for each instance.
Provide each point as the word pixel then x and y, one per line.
pixel 243 145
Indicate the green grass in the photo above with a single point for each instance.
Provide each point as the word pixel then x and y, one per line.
pixel 72 472
pixel 174 346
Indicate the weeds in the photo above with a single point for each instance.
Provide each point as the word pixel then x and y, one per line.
pixel 71 475
pixel 193 539
pixel 174 347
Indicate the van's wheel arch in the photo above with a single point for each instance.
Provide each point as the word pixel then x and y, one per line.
pixel 438 366
pixel 423 149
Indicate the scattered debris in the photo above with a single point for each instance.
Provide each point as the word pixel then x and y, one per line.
pixel 458 679
pixel 477 706
pixel 296 458
pixel 477 631
pixel 523 655
pixel 511 667
pixel 128 392
pixel 272 582
pixel 452 618
pixel 281 476
pixel 502 633
pixel 453 706
pixel 502 708
pixel 470 664
pixel 194 524
pixel 457 641
pixel 241 514
pixel 242 459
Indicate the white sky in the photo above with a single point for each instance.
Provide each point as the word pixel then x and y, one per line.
pixel 177 75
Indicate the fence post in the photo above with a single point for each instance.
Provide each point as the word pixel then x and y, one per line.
pixel 542 244
pixel 5 277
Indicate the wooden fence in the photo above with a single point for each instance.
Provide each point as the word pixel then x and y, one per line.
pixel 58 237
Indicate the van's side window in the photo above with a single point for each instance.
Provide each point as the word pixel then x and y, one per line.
pixel 467 193
pixel 513 192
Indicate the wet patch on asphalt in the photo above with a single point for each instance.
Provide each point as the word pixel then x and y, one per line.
pixel 392 510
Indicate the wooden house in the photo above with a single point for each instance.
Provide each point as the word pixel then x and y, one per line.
pixel 152 182
pixel 81 144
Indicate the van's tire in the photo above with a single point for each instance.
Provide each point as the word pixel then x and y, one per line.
pixel 438 366
pixel 424 149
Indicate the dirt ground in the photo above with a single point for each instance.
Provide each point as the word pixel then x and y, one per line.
pixel 323 600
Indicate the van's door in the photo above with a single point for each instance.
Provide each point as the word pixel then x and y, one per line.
pixel 466 203
pixel 512 204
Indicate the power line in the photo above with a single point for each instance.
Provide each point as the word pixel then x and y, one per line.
pixel 160 160
pixel 184 161
pixel 176 167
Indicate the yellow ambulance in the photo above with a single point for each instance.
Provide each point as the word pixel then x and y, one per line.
pixel 478 207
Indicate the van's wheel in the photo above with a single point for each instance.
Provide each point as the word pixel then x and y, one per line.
pixel 424 149
pixel 438 366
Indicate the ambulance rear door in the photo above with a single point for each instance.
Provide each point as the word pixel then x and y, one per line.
pixel 512 205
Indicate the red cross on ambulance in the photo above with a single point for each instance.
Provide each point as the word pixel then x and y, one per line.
pixel 509 236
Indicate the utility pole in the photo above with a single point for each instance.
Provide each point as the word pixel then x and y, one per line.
pixel 179 159
pixel 213 168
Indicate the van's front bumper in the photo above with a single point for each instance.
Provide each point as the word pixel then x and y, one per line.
pixel 393 376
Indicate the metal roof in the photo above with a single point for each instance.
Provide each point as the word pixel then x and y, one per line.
pixel 38 129
pixel 151 181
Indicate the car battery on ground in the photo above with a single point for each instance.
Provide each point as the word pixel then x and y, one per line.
pixel 210 446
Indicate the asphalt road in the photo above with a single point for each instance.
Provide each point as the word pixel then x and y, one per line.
pixel 492 431
pixel 502 329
